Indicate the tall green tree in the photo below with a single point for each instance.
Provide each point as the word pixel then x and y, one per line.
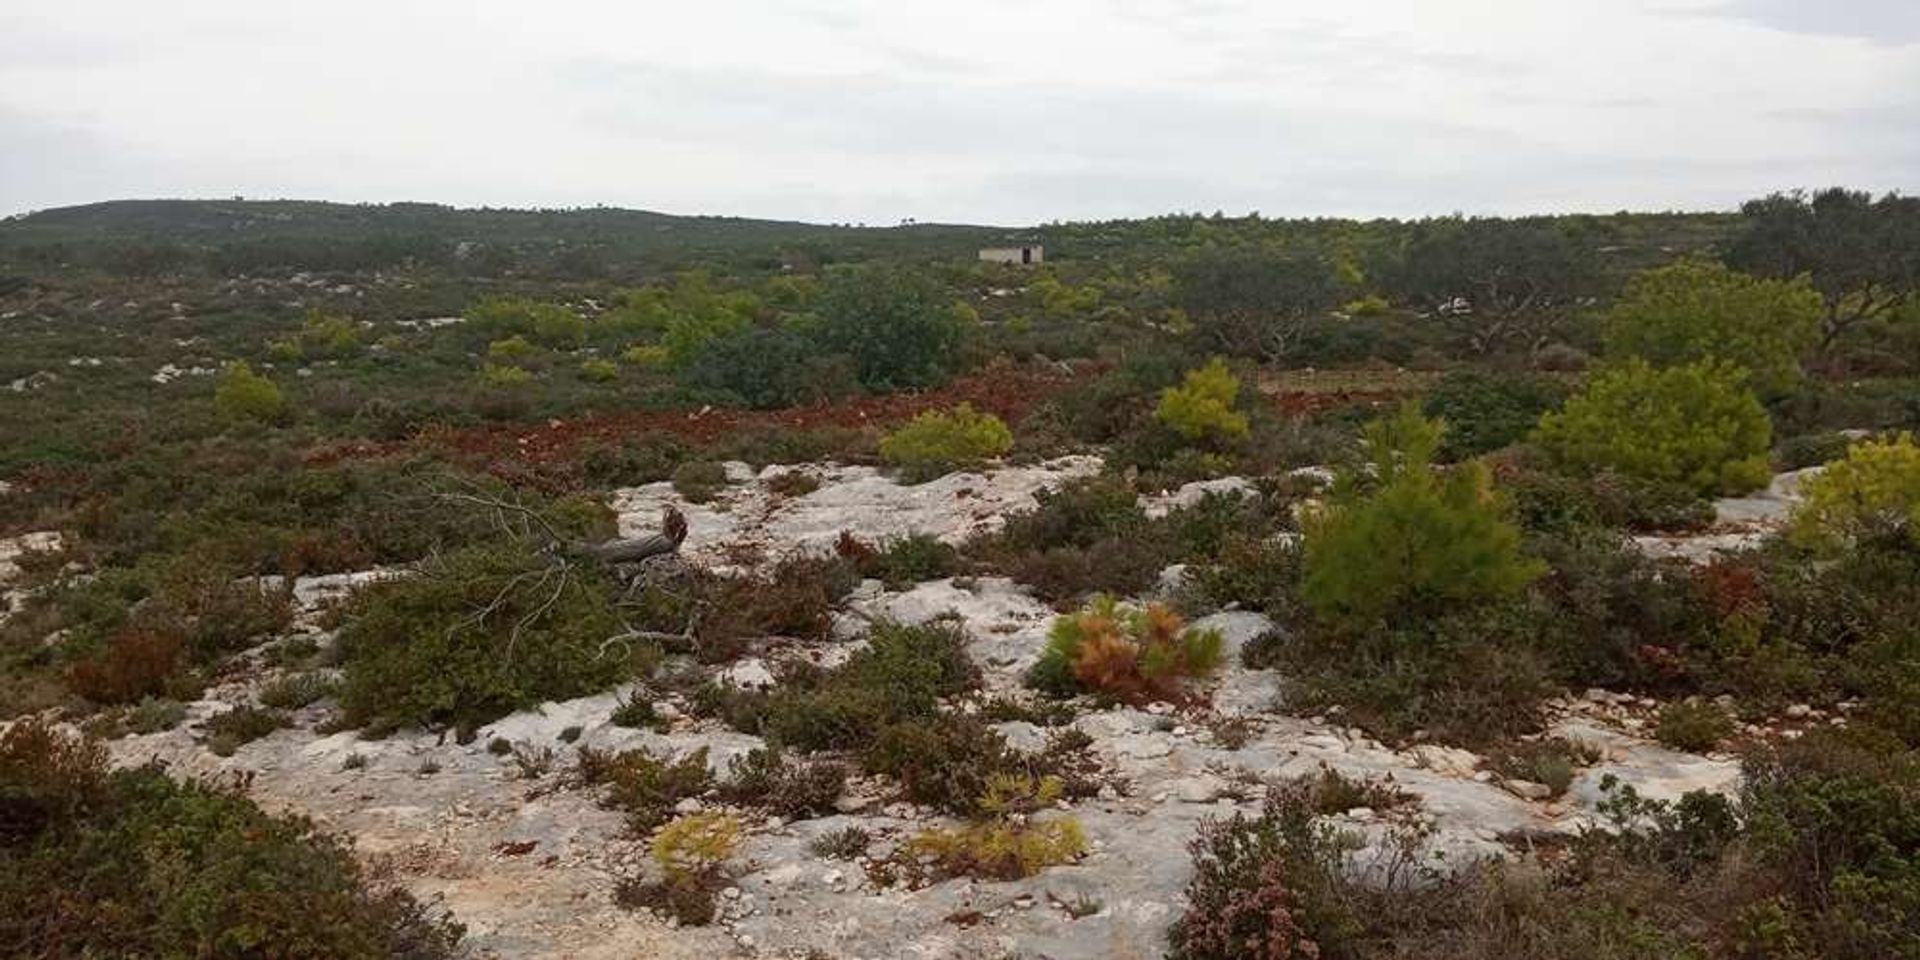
pixel 1862 253
pixel 1500 285
pixel 897 325
pixel 1695 310
pixel 1251 301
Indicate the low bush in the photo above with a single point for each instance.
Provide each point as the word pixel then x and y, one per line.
pixel 293 691
pixel 242 725
pixel 644 786
pixel 901 563
pixel 699 481
pixel 691 855
pixel 938 442
pixel 1551 761
pixel 1005 844
pixel 475 635
pixel 126 863
pixel 902 674
pixel 790 789
pixel 1127 653
pixel 1472 677
pixel 1696 726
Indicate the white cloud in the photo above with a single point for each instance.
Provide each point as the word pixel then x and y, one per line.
pixel 993 111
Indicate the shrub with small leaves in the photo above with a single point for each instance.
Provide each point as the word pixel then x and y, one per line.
pixel 699 480
pixel 1006 844
pixel 691 853
pixel 229 731
pixel 1696 726
pixel 643 785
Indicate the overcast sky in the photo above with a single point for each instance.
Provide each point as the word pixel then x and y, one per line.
pixel 984 112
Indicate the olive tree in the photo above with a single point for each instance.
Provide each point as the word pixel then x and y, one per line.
pixel 1861 253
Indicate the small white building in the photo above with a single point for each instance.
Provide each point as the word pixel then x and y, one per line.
pixel 1025 256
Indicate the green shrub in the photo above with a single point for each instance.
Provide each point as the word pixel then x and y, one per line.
pixel 1873 493
pixel 1693 725
pixel 134 863
pixel 1696 425
pixel 790 789
pixel 902 674
pixel 899 328
pixel 1696 310
pixel 936 442
pixel 513 351
pixel 698 481
pixel 1471 676
pixel 599 371
pixel 1485 412
pixel 241 394
pixel 643 786
pixel 503 376
pixel 478 633
pixel 294 691
pixel 1203 407
pixel 242 725
pixel 1407 540
pixel 1077 514
pixel 915 558
pixel 1124 652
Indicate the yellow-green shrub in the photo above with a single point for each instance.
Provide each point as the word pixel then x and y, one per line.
pixel 937 441
pixel 503 376
pixel 646 355
pixel 1203 406
pixel 242 394
pixel 1697 425
pixel 598 371
pixel 1006 845
pixel 1875 490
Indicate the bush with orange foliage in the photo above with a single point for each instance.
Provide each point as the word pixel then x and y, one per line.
pixel 1124 652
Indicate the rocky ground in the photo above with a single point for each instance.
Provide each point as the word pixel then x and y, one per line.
pixel 528 861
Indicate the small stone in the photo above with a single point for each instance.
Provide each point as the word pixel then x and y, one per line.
pixel 730 893
pixel 1597 695
pixel 1527 789
pixel 1160 797
pixel 688 805
pixel 1197 789
pixel 1107 792
pixel 1362 814
pixel 1179 731
pixel 1799 711
pixel 852 804
pixel 1482 776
